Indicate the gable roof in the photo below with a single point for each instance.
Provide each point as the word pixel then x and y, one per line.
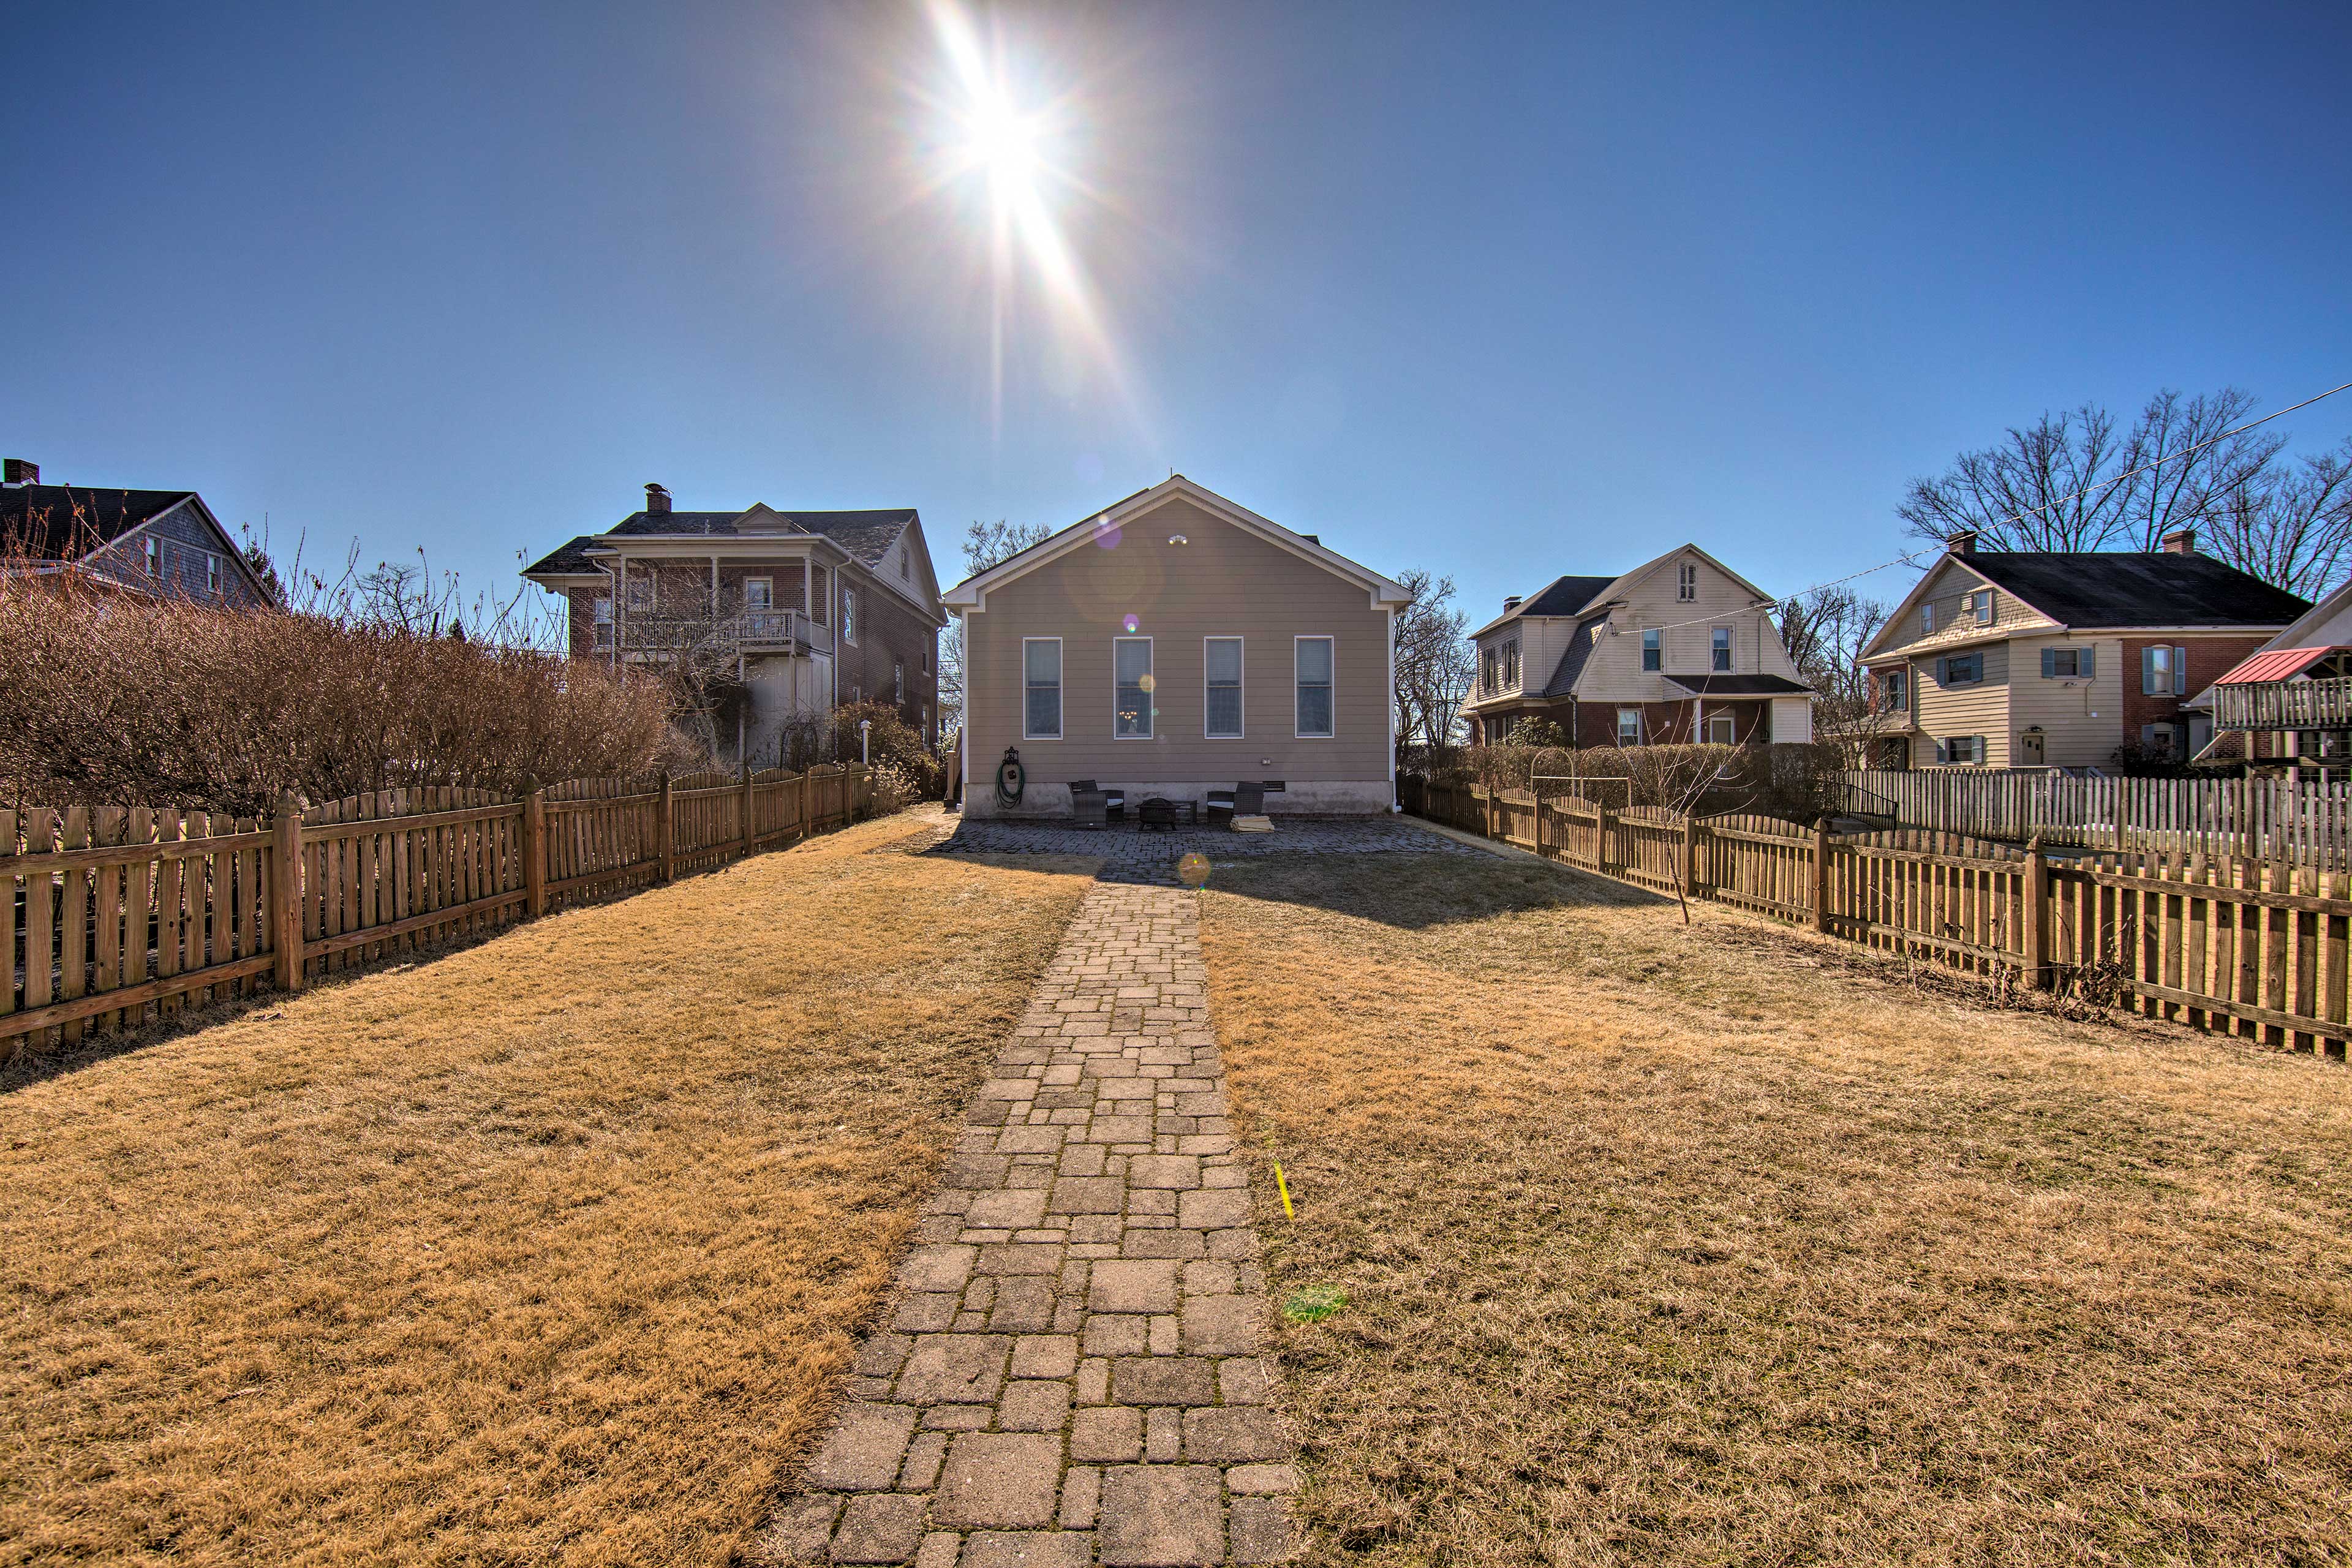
pixel 1564 597
pixel 2137 588
pixel 66 522
pixel 972 592
pixel 566 560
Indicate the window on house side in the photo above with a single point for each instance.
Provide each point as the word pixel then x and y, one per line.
pixel 640 590
pixel 1488 666
pixel 848 614
pixel 1653 649
pixel 601 610
pixel 1722 730
pixel 2160 671
pixel 1687 582
pixel 212 572
pixel 897 681
pixel 1131 671
pixel 1927 618
pixel 1511 664
pixel 759 594
pixel 1723 649
pixel 1894 689
pixel 1221 677
pixel 1041 675
pixel 1979 605
pixel 1629 726
pixel 154 557
pixel 1314 664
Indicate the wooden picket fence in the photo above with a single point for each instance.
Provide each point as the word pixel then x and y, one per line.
pixel 2224 944
pixel 113 917
pixel 2303 820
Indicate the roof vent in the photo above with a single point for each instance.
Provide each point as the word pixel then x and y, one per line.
pixel 18 471
pixel 1511 602
pixel 2180 542
pixel 657 499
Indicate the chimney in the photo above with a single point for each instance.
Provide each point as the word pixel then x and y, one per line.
pixel 2180 542
pixel 657 499
pixel 18 471
pixel 1962 543
pixel 1510 602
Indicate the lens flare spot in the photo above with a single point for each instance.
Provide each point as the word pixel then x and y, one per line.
pixel 1193 871
pixel 1106 535
pixel 1144 680
pixel 1131 623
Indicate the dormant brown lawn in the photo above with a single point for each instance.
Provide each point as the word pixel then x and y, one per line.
pixel 548 1250
pixel 1716 1246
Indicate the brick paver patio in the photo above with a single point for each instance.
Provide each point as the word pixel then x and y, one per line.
pixel 1072 1372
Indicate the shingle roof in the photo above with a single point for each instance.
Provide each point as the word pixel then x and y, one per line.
pixel 1581 644
pixel 864 534
pixel 565 560
pixel 2152 588
pixel 1740 685
pixel 1560 596
pixel 65 523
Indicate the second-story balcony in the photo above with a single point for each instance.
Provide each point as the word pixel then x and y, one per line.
pixel 752 631
pixel 2284 705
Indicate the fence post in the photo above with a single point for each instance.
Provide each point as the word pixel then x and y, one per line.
pixel 286 890
pixel 803 824
pixel 746 824
pixel 534 847
pixel 1822 875
pixel 1601 838
pixel 669 838
pixel 1690 857
pixel 2037 930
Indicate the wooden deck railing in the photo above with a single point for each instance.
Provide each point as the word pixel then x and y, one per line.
pixel 110 917
pixel 2224 943
pixel 2284 705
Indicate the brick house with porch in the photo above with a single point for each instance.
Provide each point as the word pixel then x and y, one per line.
pixel 817 609
pixel 1679 649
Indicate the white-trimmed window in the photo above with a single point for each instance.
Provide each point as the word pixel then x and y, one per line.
pixel 1131 710
pixel 1721 649
pixel 1314 658
pixel 1489 669
pixel 1962 751
pixel 1654 652
pixel 1687 582
pixel 1979 606
pixel 1040 681
pixel 1894 691
pixel 759 593
pixel 212 572
pixel 1927 618
pixel 902 560
pixel 2163 670
pixel 1629 726
pixel 639 591
pixel 2066 663
pixel 897 680
pixel 154 556
pixel 601 610
pixel 1511 664
pixel 1722 730
pixel 1220 688
pixel 848 614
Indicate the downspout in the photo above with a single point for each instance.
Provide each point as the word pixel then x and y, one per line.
pixel 1394 805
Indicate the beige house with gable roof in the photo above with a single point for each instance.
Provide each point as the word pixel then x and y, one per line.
pixel 1175 644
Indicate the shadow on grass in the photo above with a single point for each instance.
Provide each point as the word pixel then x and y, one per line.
pixel 1417 892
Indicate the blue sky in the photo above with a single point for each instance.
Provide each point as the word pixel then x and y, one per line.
pixel 1503 294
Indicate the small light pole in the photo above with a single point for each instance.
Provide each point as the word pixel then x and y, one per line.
pixel 863 726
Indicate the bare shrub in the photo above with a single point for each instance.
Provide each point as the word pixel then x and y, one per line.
pixel 117 698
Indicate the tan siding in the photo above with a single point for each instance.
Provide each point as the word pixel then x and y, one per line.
pixel 1979 709
pixel 2082 720
pixel 1223 583
pixel 1950 582
pixel 1613 673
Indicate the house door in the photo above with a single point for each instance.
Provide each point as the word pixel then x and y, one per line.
pixel 2028 748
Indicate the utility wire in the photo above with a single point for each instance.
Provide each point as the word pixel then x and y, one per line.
pixel 1912 559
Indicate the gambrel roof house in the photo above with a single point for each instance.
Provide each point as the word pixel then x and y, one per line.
pixel 144 542
pixel 1680 648
pixel 1173 645
pixel 2031 658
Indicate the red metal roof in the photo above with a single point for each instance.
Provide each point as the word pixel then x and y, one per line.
pixel 2278 664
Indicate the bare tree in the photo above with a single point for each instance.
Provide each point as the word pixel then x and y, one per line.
pixel 1434 664
pixel 985 544
pixel 1825 630
pixel 2079 480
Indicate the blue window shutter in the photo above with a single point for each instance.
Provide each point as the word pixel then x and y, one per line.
pixel 2049 663
pixel 2147 669
pixel 1943 672
pixel 2083 663
pixel 2181 672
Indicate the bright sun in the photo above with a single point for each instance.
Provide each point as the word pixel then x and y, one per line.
pixel 1004 141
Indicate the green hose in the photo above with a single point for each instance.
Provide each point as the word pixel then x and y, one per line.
pixel 1011 779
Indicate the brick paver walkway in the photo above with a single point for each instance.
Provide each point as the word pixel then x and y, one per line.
pixel 1073 1371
